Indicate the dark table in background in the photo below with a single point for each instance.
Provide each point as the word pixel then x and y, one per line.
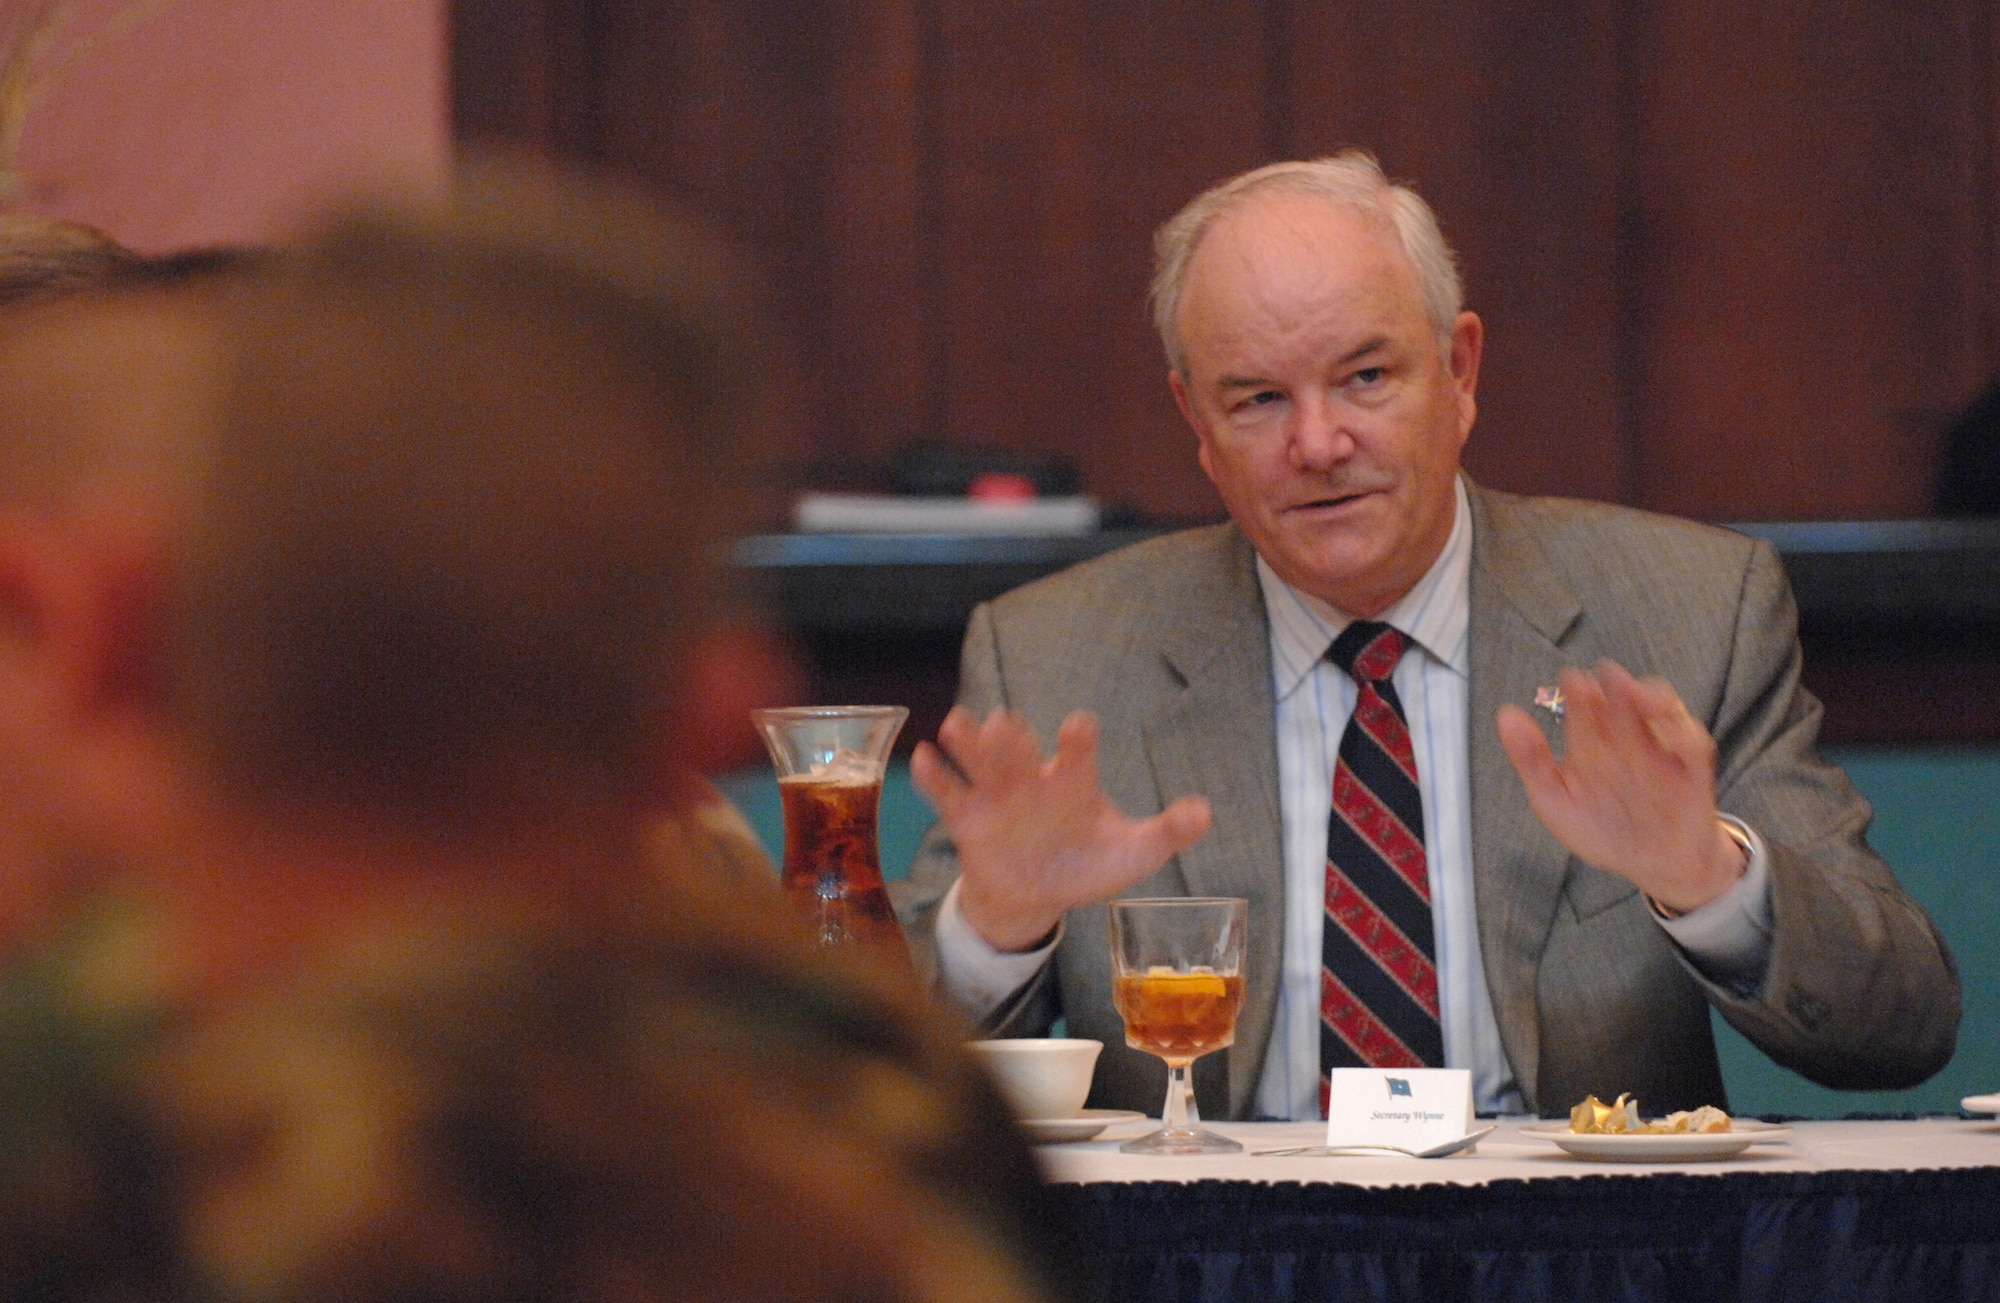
pixel 1900 619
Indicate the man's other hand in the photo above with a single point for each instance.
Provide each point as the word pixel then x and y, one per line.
pixel 1635 791
pixel 1037 837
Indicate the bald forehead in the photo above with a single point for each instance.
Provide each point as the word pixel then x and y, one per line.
pixel 1283 256
pixel 116 390
pixel 1290 227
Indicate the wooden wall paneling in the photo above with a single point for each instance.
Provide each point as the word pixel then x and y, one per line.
pixel 1017 200
pixel 799 133
pixel 1733 264
pixel 1988 62
pixel 502 81
pixel 1179 95
pixel 882 308
pixel 1063 135
pixel 1801 174
pixel 721 104
pixel 1506 118
pixel 1977 31
pixel 525 73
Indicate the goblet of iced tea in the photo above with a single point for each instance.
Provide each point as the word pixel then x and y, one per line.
pixel 1177 979
pixel 830 762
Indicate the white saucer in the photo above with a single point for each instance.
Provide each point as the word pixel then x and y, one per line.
pixel 1980 1103
pixel 1057 1131
pixel 1686 1147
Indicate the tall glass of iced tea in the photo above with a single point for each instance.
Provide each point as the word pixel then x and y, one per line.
pixel 1177 979
pixel 830 762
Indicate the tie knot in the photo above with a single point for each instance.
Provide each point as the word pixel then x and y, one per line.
pixel 1367 649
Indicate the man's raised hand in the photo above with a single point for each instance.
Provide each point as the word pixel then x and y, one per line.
pixel 1037 837
pixel 1635 791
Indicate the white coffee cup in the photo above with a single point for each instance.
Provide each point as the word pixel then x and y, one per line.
pixel 1041 1077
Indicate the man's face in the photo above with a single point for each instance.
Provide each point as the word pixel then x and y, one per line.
pixel 1327 417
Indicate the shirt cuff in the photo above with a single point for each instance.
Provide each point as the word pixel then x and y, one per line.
pixel 972 974
pixel 1729 938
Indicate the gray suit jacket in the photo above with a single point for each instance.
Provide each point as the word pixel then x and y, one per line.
pixel 1167 643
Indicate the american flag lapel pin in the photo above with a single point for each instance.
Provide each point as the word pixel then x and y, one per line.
pixel 1551 700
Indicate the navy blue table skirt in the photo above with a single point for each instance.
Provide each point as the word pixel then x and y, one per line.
pixel 1922 1236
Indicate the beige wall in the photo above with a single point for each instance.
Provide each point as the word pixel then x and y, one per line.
pixel 218 121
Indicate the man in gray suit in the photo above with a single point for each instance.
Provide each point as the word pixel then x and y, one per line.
pixel 1680 846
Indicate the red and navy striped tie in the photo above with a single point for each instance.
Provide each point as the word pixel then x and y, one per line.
pixel 1378 980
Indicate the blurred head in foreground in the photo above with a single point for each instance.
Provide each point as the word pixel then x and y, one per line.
pixel 343 604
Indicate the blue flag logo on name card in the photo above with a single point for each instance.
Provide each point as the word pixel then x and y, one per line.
pixel 1398 1086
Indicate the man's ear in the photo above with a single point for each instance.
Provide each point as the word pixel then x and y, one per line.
pixel 80 599
pixel 21 584
pixel 731 668
pixel 1468 341
pixel 42 604
pixel 79 603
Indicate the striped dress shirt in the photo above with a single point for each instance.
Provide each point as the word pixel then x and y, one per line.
pixel 1315 698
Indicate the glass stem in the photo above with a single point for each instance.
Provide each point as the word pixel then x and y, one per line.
pixel 1178 1113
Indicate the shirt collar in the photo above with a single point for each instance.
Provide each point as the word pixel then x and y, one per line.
pixel 1434 614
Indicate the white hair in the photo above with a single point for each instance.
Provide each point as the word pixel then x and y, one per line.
pixel 1352 177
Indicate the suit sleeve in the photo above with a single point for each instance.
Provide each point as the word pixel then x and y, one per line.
pixel 1033 1009
pixel 1860 991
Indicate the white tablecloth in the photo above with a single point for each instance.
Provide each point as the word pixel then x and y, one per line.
pixel 1507 1155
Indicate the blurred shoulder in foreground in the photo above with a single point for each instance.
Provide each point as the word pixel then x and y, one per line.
pixel 342 593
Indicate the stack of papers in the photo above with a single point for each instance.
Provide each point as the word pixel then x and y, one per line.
pixel 866 513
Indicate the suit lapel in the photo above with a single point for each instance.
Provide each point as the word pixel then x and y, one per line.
pixel 1521 613
pixel 1215 737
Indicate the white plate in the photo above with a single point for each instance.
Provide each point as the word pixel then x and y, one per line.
pixel 1057 1131
pixel 1687 1147
pixel 1980 1103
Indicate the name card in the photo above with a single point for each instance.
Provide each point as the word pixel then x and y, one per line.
pixel 1412 1108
